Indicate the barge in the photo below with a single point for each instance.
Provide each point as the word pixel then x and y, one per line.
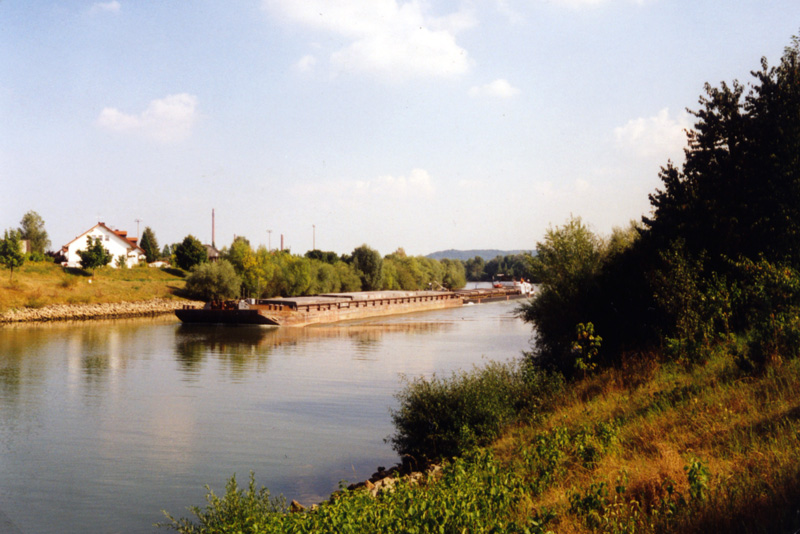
pixel 500 290
pixel 326 308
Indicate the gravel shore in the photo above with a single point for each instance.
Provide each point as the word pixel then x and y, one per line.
pixel 81 312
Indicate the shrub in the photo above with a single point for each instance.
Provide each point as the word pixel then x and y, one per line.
pixel 238 510
pixel 440 418
pixel 213 281
pixel 769 305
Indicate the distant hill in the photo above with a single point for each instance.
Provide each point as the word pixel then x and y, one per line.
pixel 464 255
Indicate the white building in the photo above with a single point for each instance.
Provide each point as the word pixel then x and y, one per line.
pixel 116 242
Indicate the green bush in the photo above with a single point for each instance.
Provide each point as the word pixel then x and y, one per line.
pixel 770 309
pixel 474 494
pixel 213 281
pixel 441 418
pixel 238 511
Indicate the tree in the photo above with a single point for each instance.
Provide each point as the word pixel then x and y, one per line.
pixel 321 255
pixel 149 244
pixel 32 230
pixel 369 266
pixel 190 252
pixel 213 281
pixel 567 265
pixel 475 269
pixel 95 254
pixel 455 276
pixel 738 192
pixel 11 251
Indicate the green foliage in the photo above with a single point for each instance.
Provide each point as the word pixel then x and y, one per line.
pixel 474 494
pixel 238 511
pixel 475 269
pixel 95 255
pixel 737 193
pixel 439 417
pixel 121 261
pixel 190 252
pixel 697 307
pixel 213 281
pixel 149 244
pixel 567 264
pixel 323 256
pixel 770 309
pixel 585 348
pixel 32 229
pixel 348 277
pixel 455 276
pixel 698 475
pixel 11 255
pixel 369 266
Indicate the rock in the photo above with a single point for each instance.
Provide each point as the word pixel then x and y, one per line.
pixel 78 312
pixel 295 507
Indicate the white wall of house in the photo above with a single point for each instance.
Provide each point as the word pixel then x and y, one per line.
pixel 112 242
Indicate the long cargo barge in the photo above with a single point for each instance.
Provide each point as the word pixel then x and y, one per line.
pixel 327 308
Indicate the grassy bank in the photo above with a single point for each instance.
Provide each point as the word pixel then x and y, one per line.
pixel 645 448
pixel 35 285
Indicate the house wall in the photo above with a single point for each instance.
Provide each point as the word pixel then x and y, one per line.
pixel 112 243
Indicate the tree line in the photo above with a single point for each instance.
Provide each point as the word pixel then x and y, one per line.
pixel 717 261
pixel 261 273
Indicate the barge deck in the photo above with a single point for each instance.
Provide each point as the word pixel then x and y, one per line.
pixel 327 308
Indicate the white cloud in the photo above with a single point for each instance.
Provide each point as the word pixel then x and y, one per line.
pixel 656 136
pixel 499 88
pixel 577 4
pixel 417 185
pixel 106 7
pixel 169 119
pixel 391 38
pixel 306 63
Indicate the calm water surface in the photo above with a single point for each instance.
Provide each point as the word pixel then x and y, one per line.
pixel 104 425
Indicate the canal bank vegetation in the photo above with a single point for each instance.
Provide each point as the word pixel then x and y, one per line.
pixel 262 273
pixel 660 394
pixel 37 284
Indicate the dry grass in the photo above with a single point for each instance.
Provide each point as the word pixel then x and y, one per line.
pixel 35 285
pixel 744 430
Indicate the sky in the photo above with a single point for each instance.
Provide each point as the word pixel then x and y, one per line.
pixel 426 125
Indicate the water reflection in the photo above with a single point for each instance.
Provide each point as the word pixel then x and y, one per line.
pixel 104 424
pixel 238 348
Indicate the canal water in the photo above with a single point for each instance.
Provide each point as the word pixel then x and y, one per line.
pixel 105 424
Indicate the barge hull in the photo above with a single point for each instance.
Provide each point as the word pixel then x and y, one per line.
pixel 328 308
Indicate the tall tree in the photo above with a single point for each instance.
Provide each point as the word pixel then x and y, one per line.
pixel 32 229
pixel 190 252
pixel 738 193
pixel 95 254
pixel 369 265
pixel 11 251
pixel 149 244
pixel 214 281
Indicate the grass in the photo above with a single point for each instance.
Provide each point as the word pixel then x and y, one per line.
pixel 648 447
pixel 39 284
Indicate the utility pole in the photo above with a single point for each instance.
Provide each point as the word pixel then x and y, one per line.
pixel 313 237
pixel 137 230
pixel 269 240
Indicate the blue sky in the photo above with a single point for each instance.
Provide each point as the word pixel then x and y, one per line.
pixel 420 124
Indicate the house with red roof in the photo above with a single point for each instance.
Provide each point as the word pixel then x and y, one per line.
pixel 116 242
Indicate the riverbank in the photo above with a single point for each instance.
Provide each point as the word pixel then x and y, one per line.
pixel 44 291
pixel 652 447
pixel 105 310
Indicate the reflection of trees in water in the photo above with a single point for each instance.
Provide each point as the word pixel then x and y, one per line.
pixel 9 381
pixel 236 346
pixel 239 347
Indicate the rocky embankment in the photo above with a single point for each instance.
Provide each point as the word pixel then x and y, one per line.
pixel 82 312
